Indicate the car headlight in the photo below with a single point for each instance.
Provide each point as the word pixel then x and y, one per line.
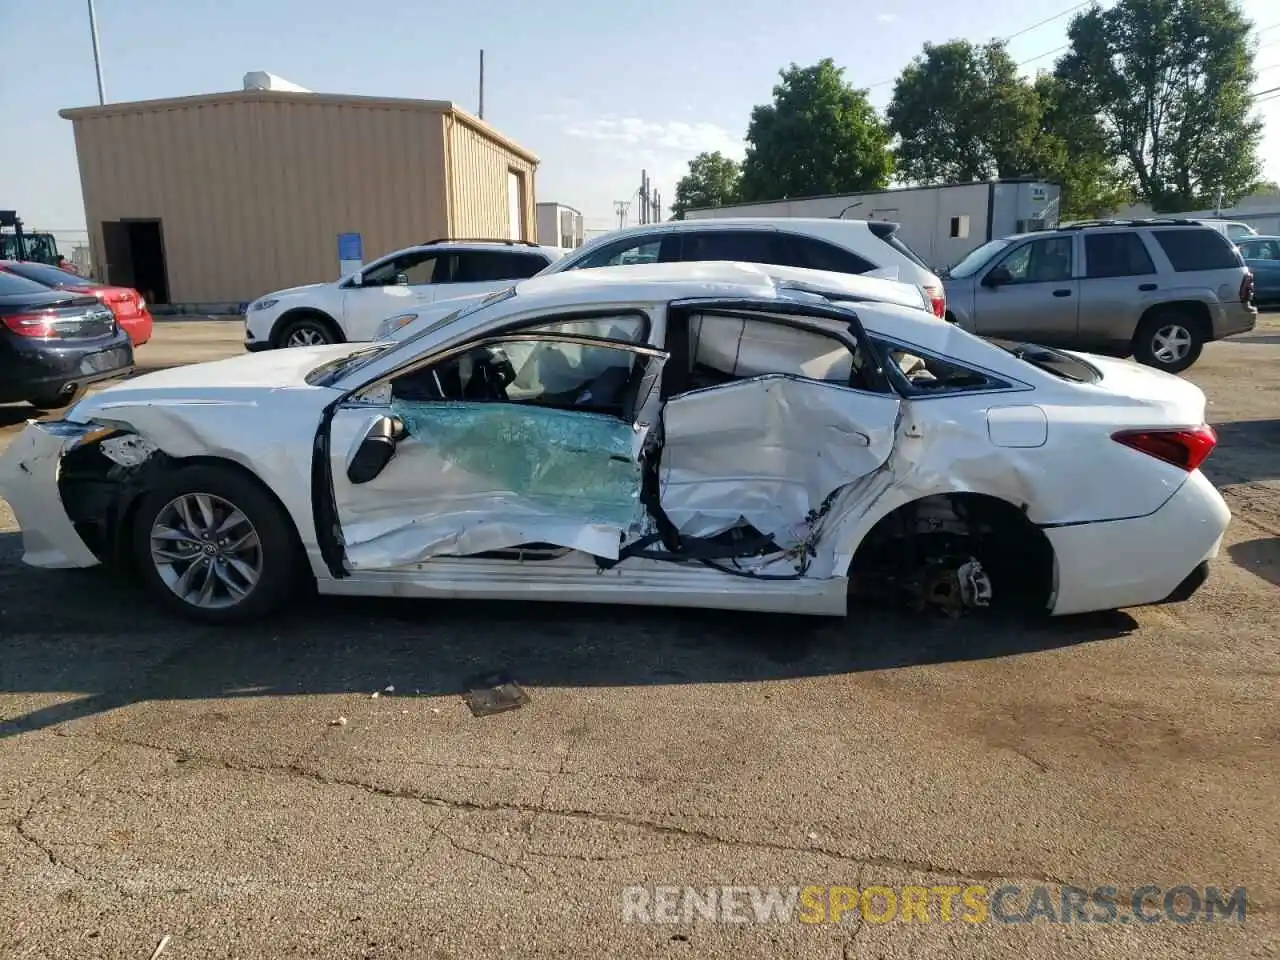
pixel 388 327
pixel 263 303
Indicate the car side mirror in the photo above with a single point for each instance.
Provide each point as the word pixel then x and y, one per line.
pixel 402 280
pixel 376 449
pixel 355 280
pixel 997 277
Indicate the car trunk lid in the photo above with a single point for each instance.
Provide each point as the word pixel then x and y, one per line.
pixel 1167 400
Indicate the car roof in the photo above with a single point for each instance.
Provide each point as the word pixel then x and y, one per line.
pixel 778 223
pixel 658 282
pixel 487 245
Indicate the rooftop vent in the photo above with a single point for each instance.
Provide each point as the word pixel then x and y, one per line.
pixel 261 80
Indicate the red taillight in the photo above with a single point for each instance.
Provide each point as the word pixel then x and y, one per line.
pixel 39 325
pixel 1182 448
pixel 1246 287
pixel 937 300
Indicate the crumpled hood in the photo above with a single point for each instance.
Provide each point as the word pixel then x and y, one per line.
pixel 233 380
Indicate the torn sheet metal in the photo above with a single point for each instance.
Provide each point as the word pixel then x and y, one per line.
pixel 475 477
pixel 768 451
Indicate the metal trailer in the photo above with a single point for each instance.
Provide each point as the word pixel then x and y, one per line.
pixel 941 224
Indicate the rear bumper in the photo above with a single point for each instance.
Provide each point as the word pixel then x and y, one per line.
pixel 30 367
pixel 1234 318
pixel 1145 560
pixel 138 327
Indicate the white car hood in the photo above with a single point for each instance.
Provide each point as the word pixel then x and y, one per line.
pixel 291 291
pixel 228 380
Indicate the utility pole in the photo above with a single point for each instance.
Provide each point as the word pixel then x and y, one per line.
pixel 620 207
pixel 481 82
pixel 97 55
pixel 644 196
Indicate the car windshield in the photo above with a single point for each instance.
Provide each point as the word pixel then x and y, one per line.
pixel 974 262
pixel 333 371
pixel 1056 362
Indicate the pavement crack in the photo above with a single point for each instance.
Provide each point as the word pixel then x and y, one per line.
pixel 591 816
pixel 22 825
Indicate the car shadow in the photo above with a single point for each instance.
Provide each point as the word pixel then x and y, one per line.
pixel 96 643
pixel 1248 451
pixel 1260 556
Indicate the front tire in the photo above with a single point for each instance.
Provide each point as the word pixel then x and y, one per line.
pixel 211 544
pixel 1169 340
pixel 311 330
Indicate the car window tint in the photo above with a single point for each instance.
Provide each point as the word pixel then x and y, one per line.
pixel 550 373
pixel 416 267
pixel 1237 231
pixel 1261 250
pixel 482 266
pixel 746 246
pixel 1047 260
pixel 816 255
pixel 47 275
pixel 929 374
pixel 624 252
pixel 1116 255
pixel 421 270
pixel 1196 248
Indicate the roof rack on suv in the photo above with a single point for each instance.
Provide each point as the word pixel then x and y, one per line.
pixel 1144 222
pixel 505 240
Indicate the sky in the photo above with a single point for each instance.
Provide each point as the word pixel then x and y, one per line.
pixel 598 90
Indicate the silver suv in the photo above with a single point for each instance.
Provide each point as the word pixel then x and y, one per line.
pixel 1157 290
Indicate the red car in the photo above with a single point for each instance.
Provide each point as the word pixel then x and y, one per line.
pixel 128 306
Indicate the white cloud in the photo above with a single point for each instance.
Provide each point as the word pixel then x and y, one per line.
pixel 886 17
pixel 671 136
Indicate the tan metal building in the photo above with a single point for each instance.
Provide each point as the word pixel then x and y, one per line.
pixel 210 201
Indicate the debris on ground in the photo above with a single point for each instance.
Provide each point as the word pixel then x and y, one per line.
pixel 494 693
pixel 164 942
pixel 338 722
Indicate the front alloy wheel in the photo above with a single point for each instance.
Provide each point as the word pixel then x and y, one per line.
pixel 212 543
pixel 306 336
pixel 206 551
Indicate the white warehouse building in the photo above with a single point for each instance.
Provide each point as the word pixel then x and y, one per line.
pixel 560 226
pixel 941 224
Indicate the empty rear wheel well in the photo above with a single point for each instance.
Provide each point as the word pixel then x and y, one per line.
pixel 1195 312
pixel 306 313
pixel 923 535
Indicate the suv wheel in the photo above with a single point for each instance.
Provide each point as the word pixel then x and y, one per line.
pixel 1168 340
pixel 307 331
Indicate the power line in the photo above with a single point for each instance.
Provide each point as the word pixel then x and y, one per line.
pixel 1041 56
pixel 1056 16
pixel 1025 30
pixel 1263 93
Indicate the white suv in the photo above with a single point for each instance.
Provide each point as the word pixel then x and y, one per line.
pixel 837 246
pixel 401 282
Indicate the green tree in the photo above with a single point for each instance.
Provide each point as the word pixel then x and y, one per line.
pixel 1073 151
pixel 962 112
pixel 1169 81
pixel 819 135
pixel 712 181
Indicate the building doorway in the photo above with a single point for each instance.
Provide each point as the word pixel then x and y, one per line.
pixel 135 257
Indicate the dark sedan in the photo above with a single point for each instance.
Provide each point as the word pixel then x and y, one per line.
pixel 54 343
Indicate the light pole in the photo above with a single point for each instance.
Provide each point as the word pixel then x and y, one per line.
pixel 97 55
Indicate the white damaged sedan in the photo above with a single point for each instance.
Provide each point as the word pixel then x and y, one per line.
pixel 702 435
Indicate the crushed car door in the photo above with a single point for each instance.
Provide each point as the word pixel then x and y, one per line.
pixel 512 440
pixel 774 426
